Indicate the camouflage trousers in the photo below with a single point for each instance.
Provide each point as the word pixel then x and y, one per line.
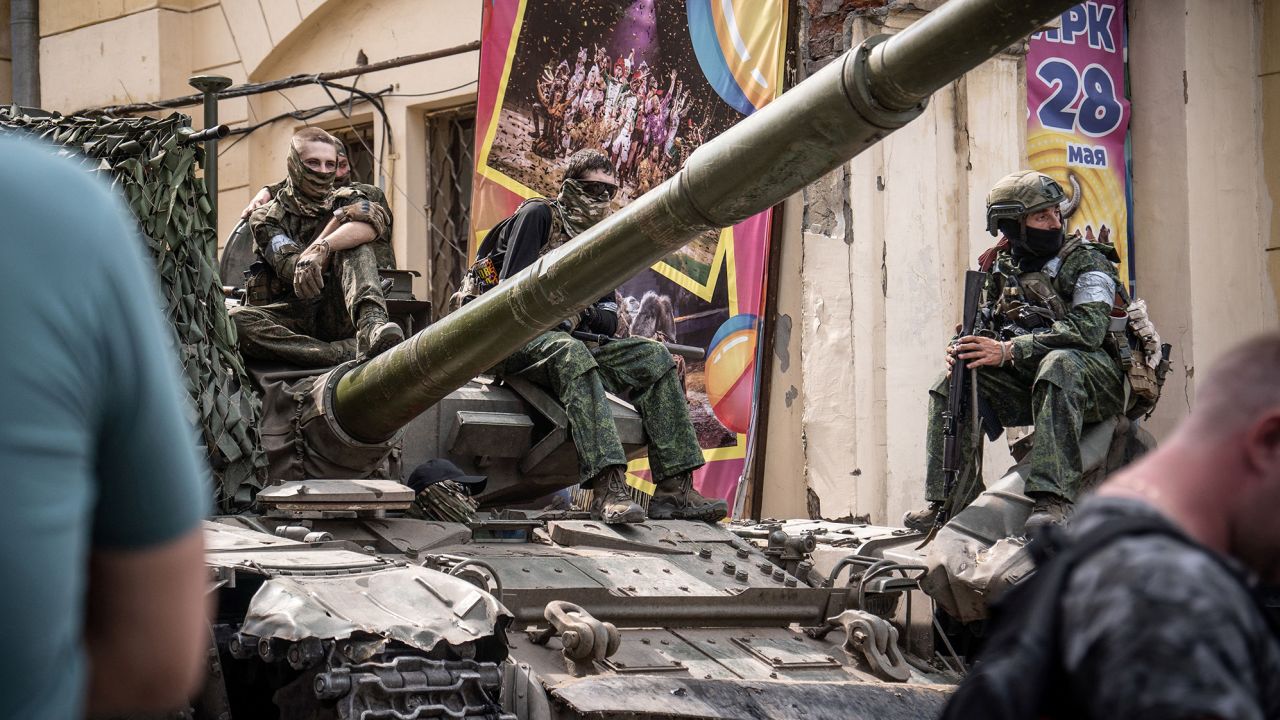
pixel 1067 389
pixel 637 368
pixel 320 331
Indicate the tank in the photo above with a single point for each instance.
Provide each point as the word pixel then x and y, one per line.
pixel 334 604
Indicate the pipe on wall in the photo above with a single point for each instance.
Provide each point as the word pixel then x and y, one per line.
pixel 24 29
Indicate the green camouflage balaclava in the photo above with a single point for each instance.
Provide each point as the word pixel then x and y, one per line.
pixel 305 191
pixel 579 208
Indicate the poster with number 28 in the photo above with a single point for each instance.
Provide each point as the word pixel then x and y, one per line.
pixel 1078 119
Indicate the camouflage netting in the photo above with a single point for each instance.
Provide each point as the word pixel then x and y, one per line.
pixel 157 176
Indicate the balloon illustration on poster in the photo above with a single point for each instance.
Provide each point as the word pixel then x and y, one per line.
pixel 731 364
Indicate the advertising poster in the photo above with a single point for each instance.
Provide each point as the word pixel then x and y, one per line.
pixel 1078 119
pixel 647 82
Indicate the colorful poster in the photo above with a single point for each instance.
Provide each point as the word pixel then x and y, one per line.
pixel 1078 118
pixel 646 81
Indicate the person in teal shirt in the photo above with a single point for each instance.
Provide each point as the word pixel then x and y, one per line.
pixel 103 605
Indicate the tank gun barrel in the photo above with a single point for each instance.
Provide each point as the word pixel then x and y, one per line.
pixel 821 123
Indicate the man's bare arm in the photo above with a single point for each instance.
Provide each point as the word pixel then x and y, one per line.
pixel 147 626
pixel 350 234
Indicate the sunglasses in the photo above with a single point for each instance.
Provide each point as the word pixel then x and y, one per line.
pixel 599 189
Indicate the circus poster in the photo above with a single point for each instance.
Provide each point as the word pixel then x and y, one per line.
pixel 647 82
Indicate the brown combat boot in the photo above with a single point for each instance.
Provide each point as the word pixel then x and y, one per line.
pixel 923 520
pixel 1049 509
pixel 611 499
pixel 675 499
pixel 376 335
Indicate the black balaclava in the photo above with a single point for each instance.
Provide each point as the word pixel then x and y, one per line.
pixel 1031 247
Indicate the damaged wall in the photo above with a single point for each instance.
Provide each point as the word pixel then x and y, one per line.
pixel 871 269
pixel 871 280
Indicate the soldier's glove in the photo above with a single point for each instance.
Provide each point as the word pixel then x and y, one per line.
pixel 308 273
pixel 358 211
pixel 570 324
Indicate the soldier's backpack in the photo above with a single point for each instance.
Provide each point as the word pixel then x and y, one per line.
pixel 484 273
pixel 1014 676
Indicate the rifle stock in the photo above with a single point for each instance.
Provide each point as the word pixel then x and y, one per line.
pixel 687 352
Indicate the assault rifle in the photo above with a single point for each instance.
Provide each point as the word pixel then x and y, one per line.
pixel 688 352
pixel 958 397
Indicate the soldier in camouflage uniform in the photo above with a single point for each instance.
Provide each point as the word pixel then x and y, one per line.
pixel 324 248
pixel 580 377
pixel 1050 300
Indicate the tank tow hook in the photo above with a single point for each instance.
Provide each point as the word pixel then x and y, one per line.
pixel 585 639
pixel 871 638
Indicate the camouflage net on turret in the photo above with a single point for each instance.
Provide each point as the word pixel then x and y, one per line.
pixel 144 161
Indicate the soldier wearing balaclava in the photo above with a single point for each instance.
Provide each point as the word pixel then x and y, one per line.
pixel 320 248
pixel 1048 357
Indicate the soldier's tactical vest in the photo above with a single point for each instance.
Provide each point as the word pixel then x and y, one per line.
pixel 1030 302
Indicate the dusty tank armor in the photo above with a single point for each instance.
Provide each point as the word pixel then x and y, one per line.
pixel 333 604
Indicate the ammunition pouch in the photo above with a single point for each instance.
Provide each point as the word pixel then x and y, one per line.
pixel 1028 317
pixel 262 286
pixel 1135 345
pixel 480 278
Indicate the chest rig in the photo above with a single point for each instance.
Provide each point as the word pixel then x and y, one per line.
pixel 1028 302
pixel 484 273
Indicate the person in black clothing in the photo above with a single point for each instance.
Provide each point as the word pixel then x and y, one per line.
pixel 1167 624
pixel 580 376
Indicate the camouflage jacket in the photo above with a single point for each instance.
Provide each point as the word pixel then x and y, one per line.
pixel 1154 627
pixel 1084 280
pixel 279 234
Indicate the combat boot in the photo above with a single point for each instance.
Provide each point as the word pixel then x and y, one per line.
pixel 611 499
pixel 376 335
pixel 922 520
pixel 675 499
pixel 1048 509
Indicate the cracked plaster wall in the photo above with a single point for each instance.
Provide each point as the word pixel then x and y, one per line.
pixel 870 276
pixel 870 281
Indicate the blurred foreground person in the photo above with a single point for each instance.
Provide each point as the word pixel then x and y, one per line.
pixel 104 600
pixel 1148 607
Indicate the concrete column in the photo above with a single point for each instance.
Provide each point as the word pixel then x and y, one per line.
pixel 1200 251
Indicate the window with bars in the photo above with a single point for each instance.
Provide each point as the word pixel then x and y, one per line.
pixel 360 150
pixel 450 162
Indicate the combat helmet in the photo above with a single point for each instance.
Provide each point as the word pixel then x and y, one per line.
pixel 1020 194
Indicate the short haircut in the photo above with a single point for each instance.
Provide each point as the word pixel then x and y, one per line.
pixel 584 161
pixel 1240 386
pixel 312 134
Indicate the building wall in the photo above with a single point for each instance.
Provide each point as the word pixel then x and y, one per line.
pixel 871 280
pixel 1201 205
pixel 1269 78
pixel 86 64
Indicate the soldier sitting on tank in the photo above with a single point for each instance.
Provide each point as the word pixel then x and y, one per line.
pixel 319 250
pixel 580 376
pixel 1050 301
pixel 341 178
